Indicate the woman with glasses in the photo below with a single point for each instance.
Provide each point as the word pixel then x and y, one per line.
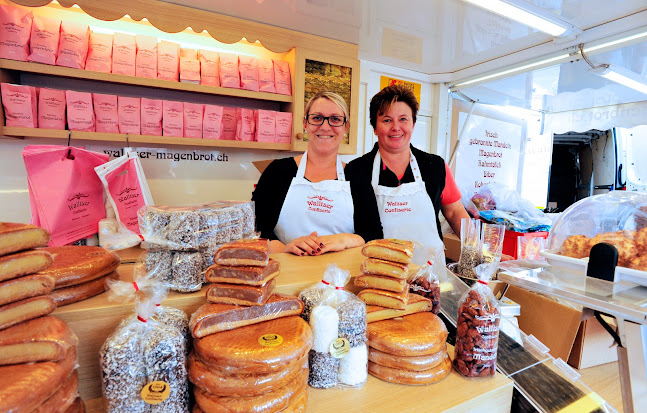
pixel 303 204
pixel 398 188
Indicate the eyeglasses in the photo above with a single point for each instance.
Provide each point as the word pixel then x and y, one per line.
pixel 318 120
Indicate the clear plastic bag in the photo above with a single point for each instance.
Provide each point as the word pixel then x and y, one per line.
pixel 491 243
pixel 181 271
pixel 426 281
pixel 477 327
pixel 470 247
pixel 333 277
pixel 528 248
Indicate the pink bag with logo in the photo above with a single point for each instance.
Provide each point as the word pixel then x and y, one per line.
pixel 168 61
pixel 282 77
pixel 129 115
pixel 245 125
pixel 66 191
pixel 80 113
pixel 209 72
pixel 20 105
pixel 266 76
pixel 45 35
pixel 248 67
pixel 146 63
pixel 189 66
pixel 51 109
pixel 265 125
pixel 228 124
pixel 151 114
pixel 106 113
pixel 124 51
pixel 229 75
pixel 283 127
pixel 193 120
pixel 73 45
pixel 99 53
pixel 212 123
pixel 15 29
pixel 173 118
pixel 125 190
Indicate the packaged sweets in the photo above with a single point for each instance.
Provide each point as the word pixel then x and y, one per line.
pixel 80 112
pixel 99 53
pixel 189 66
pixel 51 109
pixel 229 74
pixel 73 45
pixel 146 60
pixel 106 113
pixel 333 277
pixel 151 117
pixel 426 281
pixel 212 122
pixel 248 67
pixel 209 68
pixel 129 115
pixel 266 76
pixel 193 113
pixel 124 54
pixel 265 125
pixel 229 124
pixel 173 118
pixel 15 29
pixel 283 127
pixel 470 247
pixel 477 327
pixel 20 105
pixel 245 125
pixel 168 61
pixel 43 45
pixel 282 80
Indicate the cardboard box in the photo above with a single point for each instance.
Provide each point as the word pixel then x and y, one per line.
pixel 593 344
pixel 452 247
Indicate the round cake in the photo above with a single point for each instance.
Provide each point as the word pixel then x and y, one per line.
pixel 411 363
pixel 79 264
pixel 392 375
pixel 417 334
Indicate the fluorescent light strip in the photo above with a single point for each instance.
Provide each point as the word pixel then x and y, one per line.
pixel 615 42
pixel 518 14
pixel 624 77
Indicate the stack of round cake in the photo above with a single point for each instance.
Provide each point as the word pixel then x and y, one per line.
pixel 409 349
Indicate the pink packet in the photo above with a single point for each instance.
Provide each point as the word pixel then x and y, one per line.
pixel 20 105
pixel 151 116
pixel 212 122
pixel 106 113
pixel 189 66
pixel 45 35
pixel 209 72
pixel 51 109
pixel 248 67
pixel 125 188
pixel 129 115
pixel 124 50
pixel 99 53
pixel 168 61
pixel 265 126
pixel 283 127
pixel 245 125
pixel 146 62
pixel 193 113
pixel 15 29
pixel 80 114
pixel 282 77
pixel 229 75
pixel 266 76
pixel 73 45
pixel 228 124
pixel 173 118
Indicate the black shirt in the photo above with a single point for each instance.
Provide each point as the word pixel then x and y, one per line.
pixel 359 172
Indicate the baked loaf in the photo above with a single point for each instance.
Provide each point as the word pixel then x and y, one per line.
pixel 411 363
pixel 223 293
pixel 299 405
pixel 241 385
pixel 27 309
pixel 382 298
pixel 249 275
pixel 24 287
pixel 389 249
pixel 77 406
pixel 23 263
pixel 416 304
pixel 239 350
pixel 412 335
pixel 254 252
pixel 75 293
pixel 64 397
pixel 213 318
pixel 79 264
pixel 24 387
pixel 392 375
pixel 387 268
pixel 275 401
pixel 16 237
pixel 381 282
pixel 42 339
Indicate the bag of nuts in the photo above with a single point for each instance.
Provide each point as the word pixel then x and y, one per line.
pixel 470 247
pixel 425 282
pixel 477 327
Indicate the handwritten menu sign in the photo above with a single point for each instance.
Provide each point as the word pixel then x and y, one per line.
pixel 489 152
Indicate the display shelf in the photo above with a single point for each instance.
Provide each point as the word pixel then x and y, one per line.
pixel 61 71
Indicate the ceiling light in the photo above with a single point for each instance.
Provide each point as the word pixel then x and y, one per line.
pixel 526 14
pixel 622 76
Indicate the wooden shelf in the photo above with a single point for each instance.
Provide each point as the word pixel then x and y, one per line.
pixel 138 81
pixel 18 132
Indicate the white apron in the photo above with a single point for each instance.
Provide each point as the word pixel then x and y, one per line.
pixel 325 207
pixel 406 211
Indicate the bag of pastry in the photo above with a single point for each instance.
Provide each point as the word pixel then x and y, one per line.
pixel 311 296
pixel 470 247
pixel 426 281
pixel 339 355
pixel 477 327
pixel 491 243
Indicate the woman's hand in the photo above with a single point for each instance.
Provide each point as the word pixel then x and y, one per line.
pixel 309 244
pixel 340 242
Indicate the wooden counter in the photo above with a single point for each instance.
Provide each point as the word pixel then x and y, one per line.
pixel 94 319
